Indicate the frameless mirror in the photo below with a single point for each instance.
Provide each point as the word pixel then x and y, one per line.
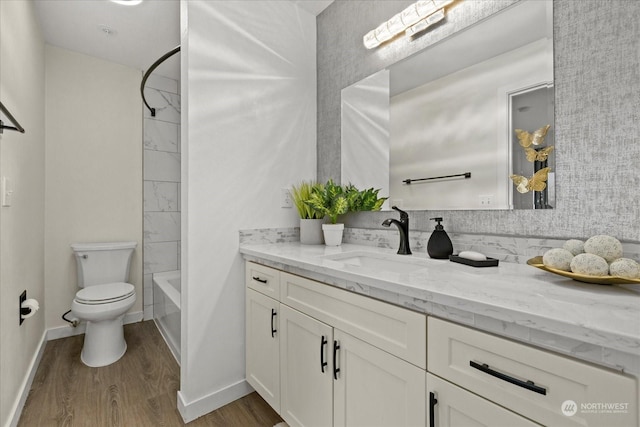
pixel 437 131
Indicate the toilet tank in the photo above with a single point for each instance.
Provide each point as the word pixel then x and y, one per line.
pixel 100 263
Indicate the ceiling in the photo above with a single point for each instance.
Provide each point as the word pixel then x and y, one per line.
pixel 135 36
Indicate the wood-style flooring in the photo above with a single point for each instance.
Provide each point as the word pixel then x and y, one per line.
pixel 138 390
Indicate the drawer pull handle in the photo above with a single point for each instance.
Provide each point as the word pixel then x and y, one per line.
pixel 273 316
pixel 257 279
pixel 336 370
pixel 323 362
pixel 529 385
pixel 432 409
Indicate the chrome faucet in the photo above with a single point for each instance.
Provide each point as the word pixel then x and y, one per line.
pixel 403 228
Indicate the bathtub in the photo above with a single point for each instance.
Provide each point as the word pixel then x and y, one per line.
pixel 166 308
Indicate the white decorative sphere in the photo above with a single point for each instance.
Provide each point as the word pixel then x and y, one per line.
pixel 590 265
pixel 574 246
pixel 558 258
pixel 625 267
pixel 604 246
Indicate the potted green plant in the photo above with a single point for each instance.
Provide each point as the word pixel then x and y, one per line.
pixel 330 200
pixel 310 219
pixel 363 200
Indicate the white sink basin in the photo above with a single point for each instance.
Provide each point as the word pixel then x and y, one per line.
pixel 381 262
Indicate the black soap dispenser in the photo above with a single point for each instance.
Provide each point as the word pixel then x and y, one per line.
pixel 439 245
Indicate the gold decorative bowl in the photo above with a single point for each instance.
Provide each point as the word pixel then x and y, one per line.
pixel 598 280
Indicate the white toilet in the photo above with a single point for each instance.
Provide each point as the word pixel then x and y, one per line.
pixel 103 270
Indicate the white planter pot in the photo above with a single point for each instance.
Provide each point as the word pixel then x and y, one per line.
pixel 332 234
pixel 311 231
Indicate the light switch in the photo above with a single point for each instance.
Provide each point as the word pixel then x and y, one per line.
pixel 7 191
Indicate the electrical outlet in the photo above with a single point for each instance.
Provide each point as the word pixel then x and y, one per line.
pixel 486 200
pixel 285 198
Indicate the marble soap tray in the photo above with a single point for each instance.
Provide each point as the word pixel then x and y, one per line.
pixel 489 262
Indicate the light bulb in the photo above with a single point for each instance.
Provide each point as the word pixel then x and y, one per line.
pixel 370 40
pixel 382 33
pixel 425 23
pixel 425 8
pixel 127 2
pixel 410 16
pixel 395 25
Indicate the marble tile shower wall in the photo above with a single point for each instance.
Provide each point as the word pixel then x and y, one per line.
pixel 161 183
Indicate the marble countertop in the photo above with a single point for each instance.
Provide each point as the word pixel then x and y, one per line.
pixel 606 316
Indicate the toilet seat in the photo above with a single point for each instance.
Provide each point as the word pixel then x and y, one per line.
pixel 105 294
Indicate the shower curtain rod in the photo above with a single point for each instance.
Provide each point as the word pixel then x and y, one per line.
pixel 150 70
pixel 12 119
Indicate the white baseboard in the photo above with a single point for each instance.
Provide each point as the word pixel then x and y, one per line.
pixel 69 330
pixel 202 406
pixel 26 385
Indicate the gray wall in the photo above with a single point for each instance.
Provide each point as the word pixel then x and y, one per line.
pixel 597 117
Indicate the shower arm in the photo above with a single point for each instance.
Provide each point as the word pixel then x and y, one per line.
pixel 150 70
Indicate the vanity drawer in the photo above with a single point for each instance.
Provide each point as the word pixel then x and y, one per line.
pixel 534 383
pixel 265 280
pixel 393 329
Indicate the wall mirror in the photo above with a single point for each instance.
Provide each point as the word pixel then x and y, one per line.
pixel 446 118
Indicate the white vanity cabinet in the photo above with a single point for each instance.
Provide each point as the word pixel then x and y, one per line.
pixel 324 356
pixel 345 359
pixel 544 387
pixel 262 332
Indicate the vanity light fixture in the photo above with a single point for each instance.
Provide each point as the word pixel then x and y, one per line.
pixel 414 19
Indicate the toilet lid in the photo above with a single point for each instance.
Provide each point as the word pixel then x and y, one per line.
pixel 102 294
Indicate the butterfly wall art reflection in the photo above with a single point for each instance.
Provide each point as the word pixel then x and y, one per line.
pixel 540 155
pixel 527 139
pixel 537 182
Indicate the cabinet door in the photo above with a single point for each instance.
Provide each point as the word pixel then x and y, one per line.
pixel 375 388
pixel 453 406
pixel 305 370
pixel 263 347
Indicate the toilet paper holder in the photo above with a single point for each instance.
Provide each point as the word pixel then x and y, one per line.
pixel 28 307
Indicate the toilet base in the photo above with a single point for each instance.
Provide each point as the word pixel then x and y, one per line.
pixel 104 342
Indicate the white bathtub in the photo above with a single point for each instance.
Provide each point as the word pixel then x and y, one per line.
pixel 166 308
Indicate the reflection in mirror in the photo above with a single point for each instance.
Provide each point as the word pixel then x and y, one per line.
pixel 365 124
pixel 530 108
pixel 453 109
